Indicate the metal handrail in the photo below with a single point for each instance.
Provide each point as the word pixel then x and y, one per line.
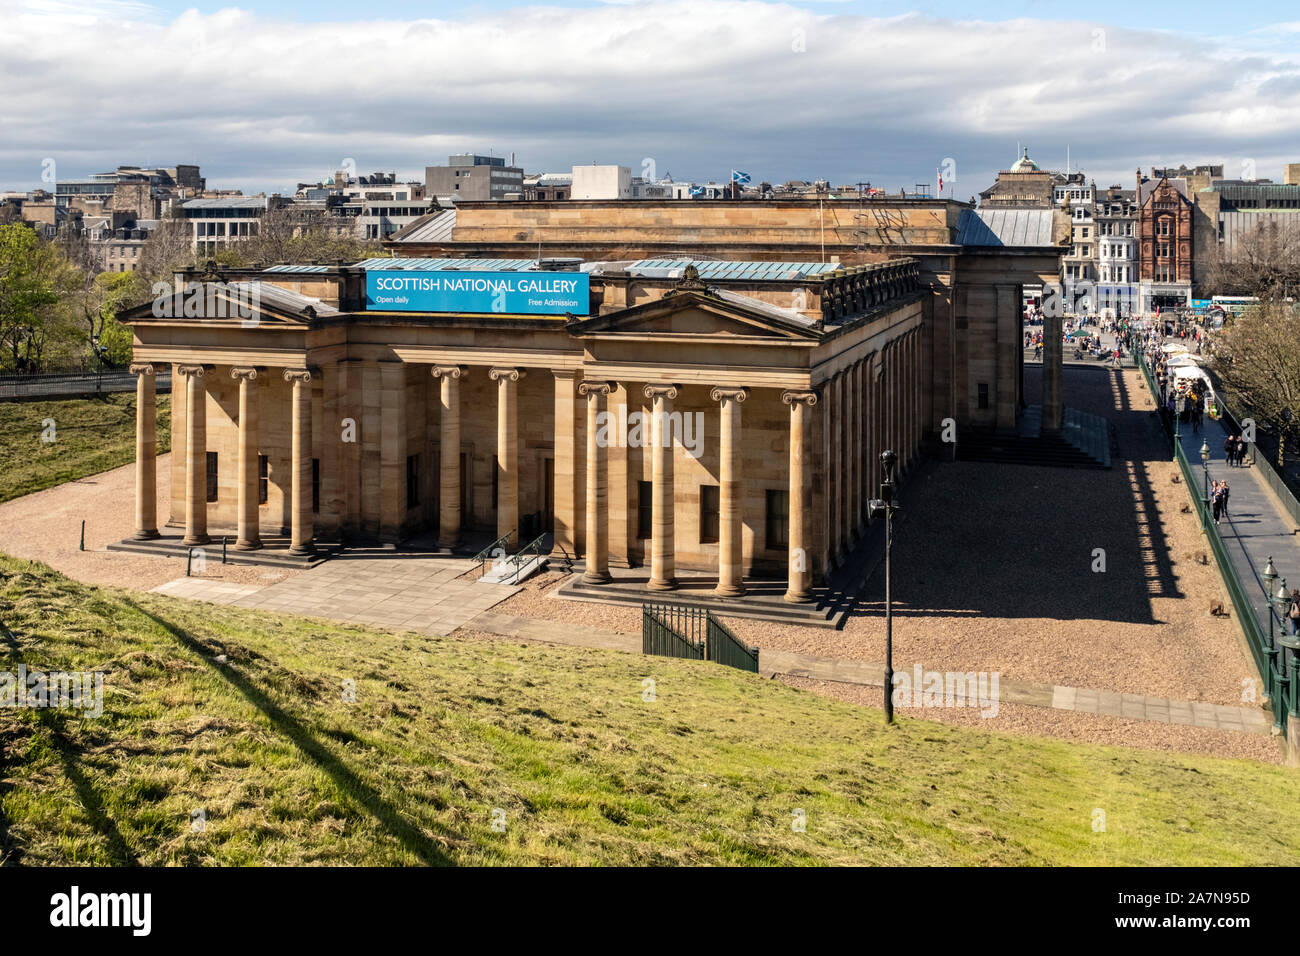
pixel 517 559
pixel 487 552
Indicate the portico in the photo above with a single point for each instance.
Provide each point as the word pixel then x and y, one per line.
pixel 702 429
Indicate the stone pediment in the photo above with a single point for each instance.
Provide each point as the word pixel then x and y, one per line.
pixel 246 304
pixel 706 313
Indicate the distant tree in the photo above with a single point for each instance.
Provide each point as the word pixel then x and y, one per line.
pixel 287 235
pixel 31 274
pixel 1257 357
pixel 1264 262
pixel 169 248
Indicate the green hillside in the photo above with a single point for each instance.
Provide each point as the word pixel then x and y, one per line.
pixel 242 715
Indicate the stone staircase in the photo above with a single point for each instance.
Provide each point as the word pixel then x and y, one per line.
pixel 1084 442
pixel 762 600
pixel 507 572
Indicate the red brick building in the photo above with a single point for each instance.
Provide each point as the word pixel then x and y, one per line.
pixel 1164 242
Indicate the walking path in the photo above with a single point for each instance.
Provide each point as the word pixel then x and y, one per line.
pixel 380 588
pixel 1255 529
pixel 1079 699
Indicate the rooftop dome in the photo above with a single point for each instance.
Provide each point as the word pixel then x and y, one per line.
pixel 1024 164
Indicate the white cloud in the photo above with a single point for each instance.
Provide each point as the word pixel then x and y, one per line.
pixel 700 86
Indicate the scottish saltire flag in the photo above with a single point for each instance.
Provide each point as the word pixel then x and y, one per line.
pixel 697 190
pixel 738 177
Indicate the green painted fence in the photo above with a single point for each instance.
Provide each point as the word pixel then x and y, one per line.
pixel 1267 657
pixel 678 630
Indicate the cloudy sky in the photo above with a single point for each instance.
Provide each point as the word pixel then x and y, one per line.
pixel 264 95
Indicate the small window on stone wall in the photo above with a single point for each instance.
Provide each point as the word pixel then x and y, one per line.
pixel 778 520
pixel 212 476
pixel 645 509
pixel 709 501
pixel 984 395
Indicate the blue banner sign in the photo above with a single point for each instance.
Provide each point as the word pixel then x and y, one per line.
pixel 511 293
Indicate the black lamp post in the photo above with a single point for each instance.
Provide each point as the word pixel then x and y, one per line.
pixel 1178 417
pixel 1205 465
pixel 1270 578
pixel 884 507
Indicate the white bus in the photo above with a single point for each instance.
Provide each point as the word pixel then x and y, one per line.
pixel 1233 304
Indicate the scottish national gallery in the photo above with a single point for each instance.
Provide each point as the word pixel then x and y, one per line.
pixel 718 416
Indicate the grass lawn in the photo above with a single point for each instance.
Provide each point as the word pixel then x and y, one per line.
pixel 90 435
pixel 242 714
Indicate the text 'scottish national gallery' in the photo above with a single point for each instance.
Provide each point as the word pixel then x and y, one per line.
pixel 652 390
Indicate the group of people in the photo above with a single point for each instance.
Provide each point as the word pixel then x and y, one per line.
pixel 1234 450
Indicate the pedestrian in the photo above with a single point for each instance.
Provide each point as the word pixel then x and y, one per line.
pixel 1293 616
pixel 1229 449
pixel 1216 502
pixel 1225 491
pixel 1241 452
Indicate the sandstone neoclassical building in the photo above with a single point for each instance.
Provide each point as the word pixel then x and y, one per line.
pixel 327 403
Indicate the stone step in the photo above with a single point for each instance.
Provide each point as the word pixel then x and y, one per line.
pixel 766 609
pixel 506 572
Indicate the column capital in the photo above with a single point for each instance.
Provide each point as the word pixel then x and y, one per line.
pixel 143 368
pixel 794 397
pixel 246 373
pixel 191 371
pixel 725 393
pixel 588 387
pixel 448 371
pixel 297 375
pixel 506 374
pixel 661 391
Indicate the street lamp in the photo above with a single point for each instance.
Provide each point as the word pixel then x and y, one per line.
pixel 1205 465
pixel 1270 577
pixel 1178 417
pixel 884 507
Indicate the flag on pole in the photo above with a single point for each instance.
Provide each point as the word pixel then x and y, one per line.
pixel 940 172
pixel 739 178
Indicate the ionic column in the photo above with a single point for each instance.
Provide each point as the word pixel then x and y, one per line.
pixel 799 589
pixel 507 449
pixel 249 537
pixel 730 543
pixel 196 456
pixel 854 449
pixel 146 452
pixel 835 480
pixel 1053 414
pixel 301 528
pixel 597 571
pixel 662 557
pixel 449 455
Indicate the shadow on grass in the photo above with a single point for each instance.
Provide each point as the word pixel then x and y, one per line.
pixel 409 836
pixel 119 851
pixel 10 855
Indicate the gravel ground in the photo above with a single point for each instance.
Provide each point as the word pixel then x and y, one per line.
pixel 1070 725
pixel 993 571
pixel 46 526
